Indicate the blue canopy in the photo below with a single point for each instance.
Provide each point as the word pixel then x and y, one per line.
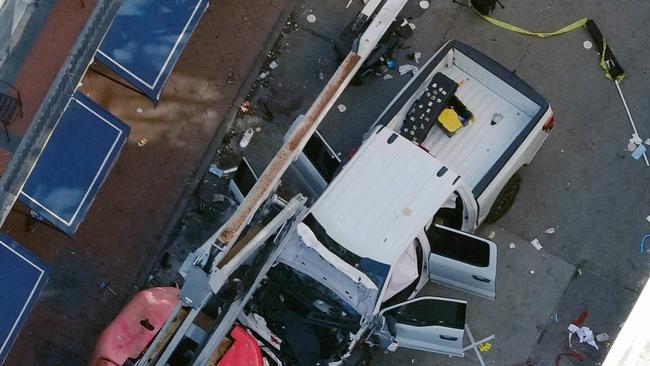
pixel 74 163
pixel 146 39
pixel 22 278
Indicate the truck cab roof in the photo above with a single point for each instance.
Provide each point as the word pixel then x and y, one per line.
pixel 385 195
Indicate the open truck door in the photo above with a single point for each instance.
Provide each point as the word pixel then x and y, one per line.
pixel 462 260
pixel 432 324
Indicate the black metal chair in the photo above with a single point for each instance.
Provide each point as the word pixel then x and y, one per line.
pixel 10 106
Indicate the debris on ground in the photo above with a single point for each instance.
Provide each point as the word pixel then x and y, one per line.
pixel 258 129
pixel 585 335
pixel 263 75
pixel 405 69
pixel 215 170
pixel 485 347
pixel 142 142
pixel 643 240
pixel 246 139
pixel 587 45
pixel 388 77
pixel 424 4
pixel 647 141
pixel 555 318
pixel 311 18
pixel 550 230
pixel 638 152
pixel 342 108
pixel 104 286
pixel 273 65
pixel 532 271
pixel 648 218
pixel 496 118
pixel 416 56
pixel 536 244
pixel 492 235
pixel 139 110
pixel 631 146
pixel 636 139
pixel 602 337
pixel 350 3
pixel 512 246
pixel 245 106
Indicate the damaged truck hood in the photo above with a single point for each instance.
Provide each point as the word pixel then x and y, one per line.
pixel 307 255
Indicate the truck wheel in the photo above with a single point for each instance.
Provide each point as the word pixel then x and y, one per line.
pixel 505 199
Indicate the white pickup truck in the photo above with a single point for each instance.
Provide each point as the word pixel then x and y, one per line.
pixel 400 214
pixel 320 283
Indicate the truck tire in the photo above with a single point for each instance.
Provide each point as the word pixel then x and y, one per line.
pixel 505 199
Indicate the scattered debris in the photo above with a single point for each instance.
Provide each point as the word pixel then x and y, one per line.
pixel 142 142
pixel 412 26
pixel 321 75
pixel 550 230
pixel 647 141
pixel 405 69
pixel 104 286
pixel 643 246
pixel 311 18
pixel 648 218
pixel 245 106
pixel 263 75
pixel 638 152
pixel 415 56
pixel 579 270
pixel 342 108
pixel 602 337
pixel 512 246
pixel 587 45
pixel 424 4
pixel 273 65
pixel 349 3
pixel 555 318
pixel 246 139
pixel 139 110
pixel 258 129
pixel 492 235
pixel 388 77
pixel 214 169
pixel 584 334
pixel 485 347
pixel 636 139
pixel 532 271
pixel 536 244
pixel 631 146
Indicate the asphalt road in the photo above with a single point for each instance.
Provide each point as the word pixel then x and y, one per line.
pixel 583 181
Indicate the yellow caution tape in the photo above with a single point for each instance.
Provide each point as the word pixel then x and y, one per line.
pixel 514 28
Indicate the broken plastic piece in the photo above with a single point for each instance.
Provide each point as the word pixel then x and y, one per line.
pixel 424 4
pixel 342 108
pixel 640 150
pixel 584 334
pixel 492 235
pixel 405 69
pixel 587 45
pixel 417 56
pixel 311 18
pixel 139 110
pixel 273 65
pixel 550 230
pixel 536 244
pixel 512 246
pixel 602 337
pixel 142 142
pixel 246 139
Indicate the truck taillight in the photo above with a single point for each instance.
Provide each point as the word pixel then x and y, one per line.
pixel 548 125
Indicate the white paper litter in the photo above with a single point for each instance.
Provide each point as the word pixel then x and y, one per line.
pixel 492 235
pixel 139 110
pixel 637 140
pixel 342 108
pixel 536 244
pixel 602 337
pixel 424 4
pixel 512 246
pixel 647 141
pixel 584 334
pixel 388 77
pixel 631 146
pixel 263 75
pixel 648 218
pixel 587 45
pixel 273 65
pixel 311 18
pixel 417 56
pixel 405 69
pixel 550 230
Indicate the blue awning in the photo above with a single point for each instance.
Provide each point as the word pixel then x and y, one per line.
pixel 22 278
pixel 74 163
pixel 146 39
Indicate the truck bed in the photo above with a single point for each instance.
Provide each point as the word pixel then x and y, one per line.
pixel 479 149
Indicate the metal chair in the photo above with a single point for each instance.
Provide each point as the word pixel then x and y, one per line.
pixel 10 107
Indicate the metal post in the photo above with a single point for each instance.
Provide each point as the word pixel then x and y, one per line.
pixel 629 116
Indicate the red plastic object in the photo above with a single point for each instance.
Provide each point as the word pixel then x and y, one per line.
pixel 135 326
pixel 243 352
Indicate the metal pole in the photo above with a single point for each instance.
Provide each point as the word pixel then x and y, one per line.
pixel 629 115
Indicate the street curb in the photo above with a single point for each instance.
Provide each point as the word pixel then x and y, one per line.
pixel 217 140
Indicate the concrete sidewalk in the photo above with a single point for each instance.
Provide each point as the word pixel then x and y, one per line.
pixel 122 234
